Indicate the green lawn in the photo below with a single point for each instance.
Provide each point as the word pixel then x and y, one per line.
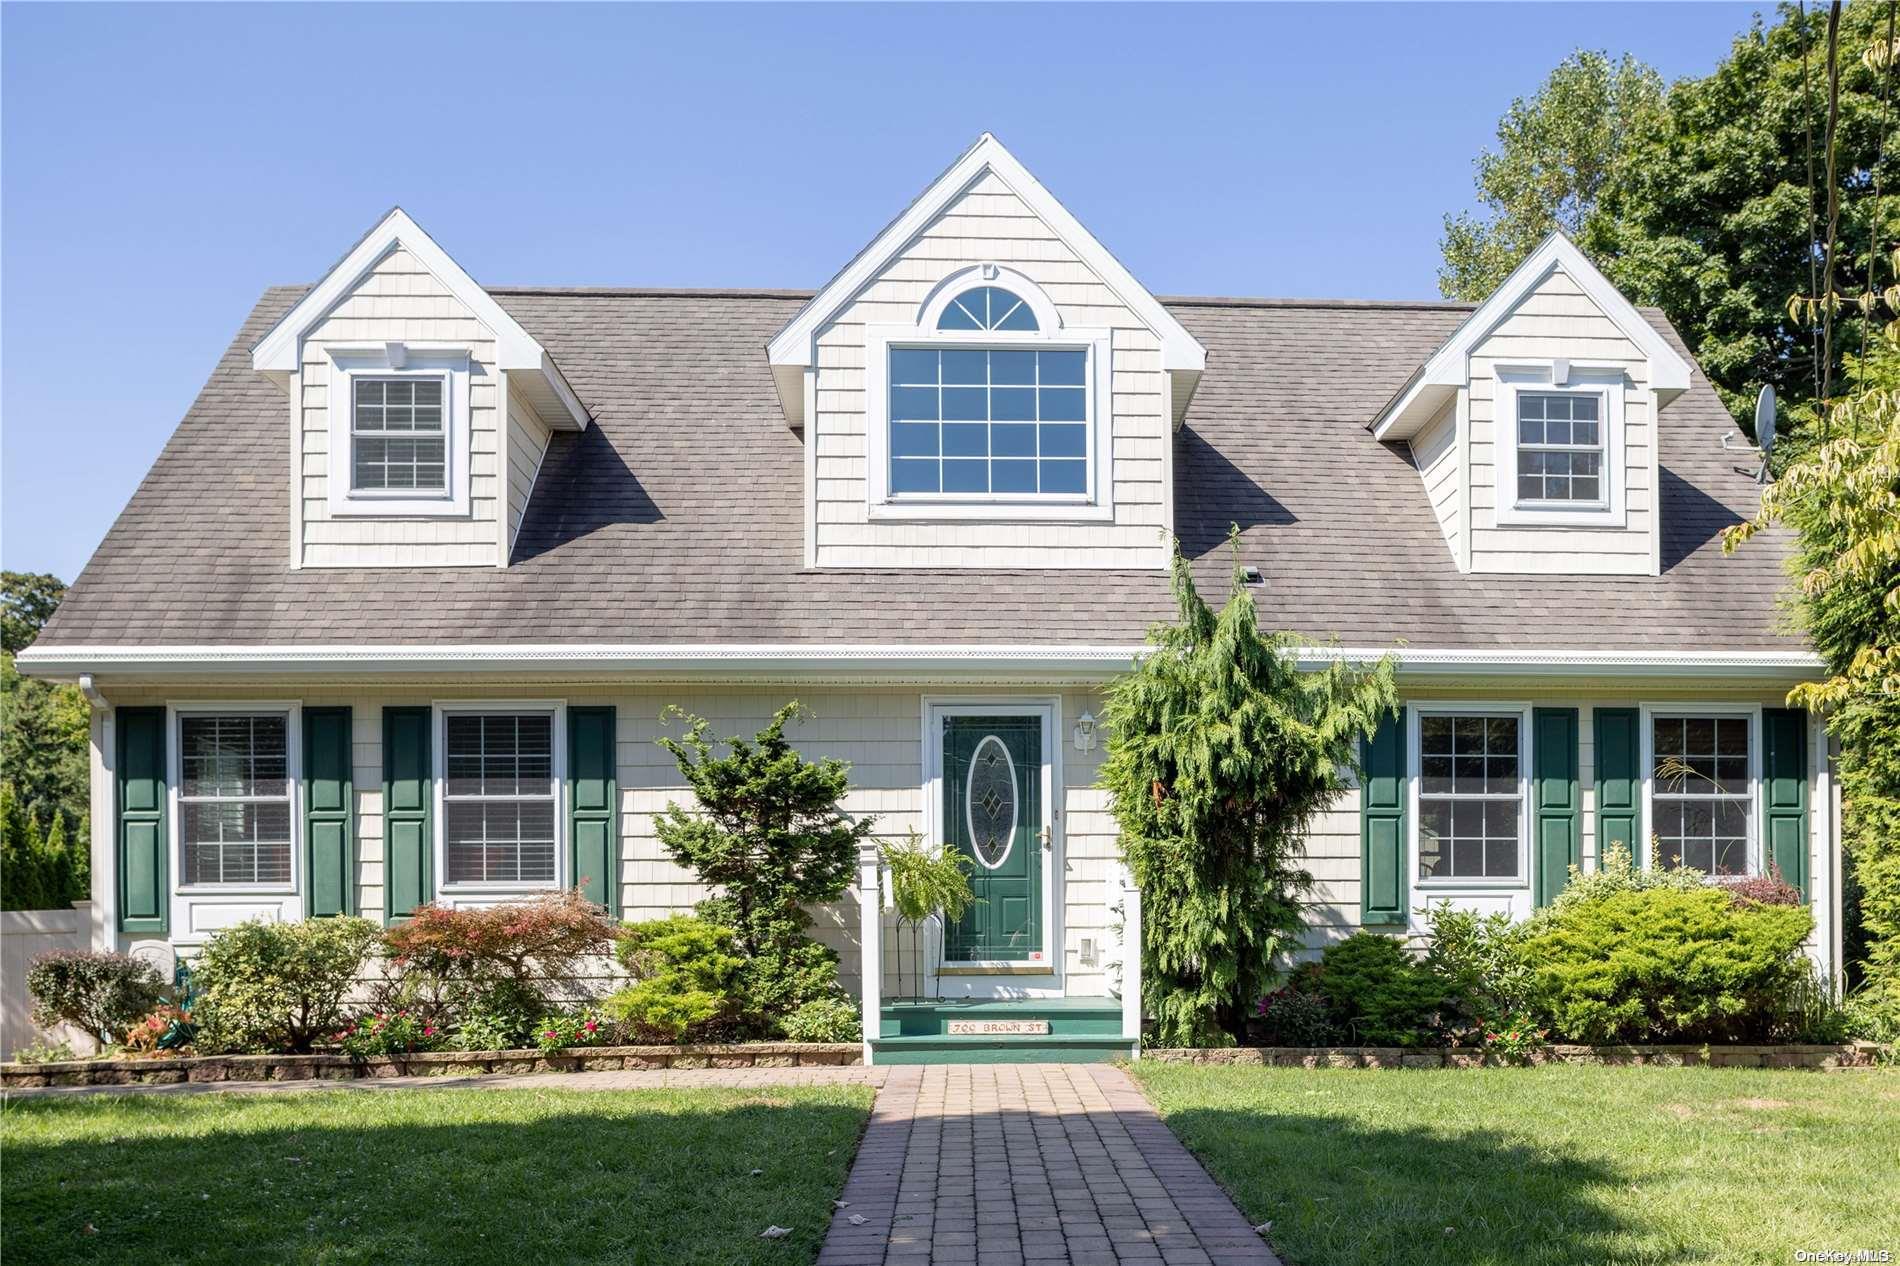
pixel 478 1176
pixel 1547 1166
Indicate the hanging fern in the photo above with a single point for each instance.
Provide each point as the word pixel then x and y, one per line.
pixel 927 881
pixel 1219 753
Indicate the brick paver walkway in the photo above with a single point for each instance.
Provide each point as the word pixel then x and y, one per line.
pixel 1029 1165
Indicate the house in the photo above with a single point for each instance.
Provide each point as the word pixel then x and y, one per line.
pixel 394 616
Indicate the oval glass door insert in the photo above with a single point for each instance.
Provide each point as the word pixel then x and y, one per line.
pixel 989 802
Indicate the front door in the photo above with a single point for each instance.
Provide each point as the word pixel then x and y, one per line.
pixel 993 814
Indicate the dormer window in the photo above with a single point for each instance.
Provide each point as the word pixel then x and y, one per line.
pixel 399 432
pixel 987 407
pixel 1559 450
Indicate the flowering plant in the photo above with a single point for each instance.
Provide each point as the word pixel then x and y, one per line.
pixel 387 1033
pixel 1513 1038
pixel 147 1037
pixel 583 1028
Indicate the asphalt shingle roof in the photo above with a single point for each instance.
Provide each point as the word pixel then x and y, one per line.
pixel 678 517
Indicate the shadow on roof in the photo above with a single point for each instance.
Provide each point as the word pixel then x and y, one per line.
pixel 1691 518
pixel 1213 493
pixel 583 486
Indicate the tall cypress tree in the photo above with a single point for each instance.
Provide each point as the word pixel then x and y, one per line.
pixel 1220 751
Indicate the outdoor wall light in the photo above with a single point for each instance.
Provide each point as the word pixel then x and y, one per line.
pixel 1085 732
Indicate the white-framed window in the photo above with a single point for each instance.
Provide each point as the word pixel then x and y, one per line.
pixel 399 432
pixel 236 799
pixel 1703 786
pixel 1470 795
pixel 1559 454
pixel 987 407
pixel 499 793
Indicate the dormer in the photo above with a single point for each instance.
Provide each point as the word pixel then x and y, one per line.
pixel 1534 426
pixel 419 410
pixel 984 385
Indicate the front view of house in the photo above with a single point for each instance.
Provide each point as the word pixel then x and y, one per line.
pixel 394 617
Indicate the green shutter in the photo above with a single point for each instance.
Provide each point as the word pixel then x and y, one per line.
pixel 593 829
pixel 408 794
pixel 1619 782
pixel 1382 886
pixel 140 805
pixel 1785 792
pixel 1556 803
pixel 328 794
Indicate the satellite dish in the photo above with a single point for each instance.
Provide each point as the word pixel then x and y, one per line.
pixel 1765 427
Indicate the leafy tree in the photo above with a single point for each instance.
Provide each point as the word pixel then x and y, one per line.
pixel 769 834
pixel 1556 153
pixel 1705 212
pixel 27 600
pixel 1220 751
pixel 43 752
pixel 1843 500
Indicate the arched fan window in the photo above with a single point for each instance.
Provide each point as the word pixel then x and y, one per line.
pixel 987 308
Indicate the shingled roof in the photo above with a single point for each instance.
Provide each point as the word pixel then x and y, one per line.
pixel 678 517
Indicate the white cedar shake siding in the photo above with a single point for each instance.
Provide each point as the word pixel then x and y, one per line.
pixel 528 439
pixel 399 301
pixel 878 730
pixel 989 223
pixel 1557 320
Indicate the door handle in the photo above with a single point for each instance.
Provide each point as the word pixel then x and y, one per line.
pixel 1047 843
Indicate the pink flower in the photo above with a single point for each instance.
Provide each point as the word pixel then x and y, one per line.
pixel 591 1027
pixel 429 1031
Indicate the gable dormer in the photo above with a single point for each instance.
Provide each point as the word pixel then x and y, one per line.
pixel 419 410
pixel 984 385
pixel 1534 426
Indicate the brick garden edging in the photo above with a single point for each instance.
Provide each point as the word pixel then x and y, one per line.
pixel 131 1072
pixel 1850 1055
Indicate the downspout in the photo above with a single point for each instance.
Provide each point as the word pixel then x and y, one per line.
pixel 92 694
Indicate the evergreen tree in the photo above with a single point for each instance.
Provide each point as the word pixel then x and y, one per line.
pixel 769 834
pixel 22 856
pixel 1220 751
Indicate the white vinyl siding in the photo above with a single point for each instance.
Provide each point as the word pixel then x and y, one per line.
pixel 398 301
pixel 990 223
pixel 528 438
pixel 1435 452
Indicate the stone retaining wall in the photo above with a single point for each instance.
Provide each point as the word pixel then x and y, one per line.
pixel 126 1072
pixel 1851 1055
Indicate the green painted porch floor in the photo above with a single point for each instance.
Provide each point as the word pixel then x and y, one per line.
pixel 1081 1030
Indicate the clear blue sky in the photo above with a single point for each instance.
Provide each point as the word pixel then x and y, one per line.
pixel 163 164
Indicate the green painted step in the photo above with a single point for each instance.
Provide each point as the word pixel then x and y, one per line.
pixel 1019 1049
pixel 1067 1017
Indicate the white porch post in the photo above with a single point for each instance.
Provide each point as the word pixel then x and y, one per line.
pixel 870 941
pixel 1131 961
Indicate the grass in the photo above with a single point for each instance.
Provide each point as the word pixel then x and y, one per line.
pixel 1547 1166
pixel 477 1176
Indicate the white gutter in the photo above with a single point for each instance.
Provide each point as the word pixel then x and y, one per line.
pixel 869 660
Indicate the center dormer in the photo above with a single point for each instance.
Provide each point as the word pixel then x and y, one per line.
pixel 985 386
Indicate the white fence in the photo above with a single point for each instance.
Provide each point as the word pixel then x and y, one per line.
pixel 24 935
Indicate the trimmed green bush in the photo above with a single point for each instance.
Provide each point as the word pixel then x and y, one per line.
pixel 1479 959
pixel 273 987
pixel 101 994
pixel 686 979
pixel 1666 965
pixel 1376 993
pixel 824 1020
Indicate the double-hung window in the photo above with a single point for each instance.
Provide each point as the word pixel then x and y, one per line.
pixel 1702 793
pixel 398 435
pixel 234 798
pixel 1470 796
pixel 499 799
pixel 1560 445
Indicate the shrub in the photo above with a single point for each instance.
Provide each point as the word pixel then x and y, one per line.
pixel 1620 873
pixel 1479 960
pixel 1290 1016
pixel 771 836
pixel 686 978
pixel 824 1020
pixel 1764 890
pixel 501 1017
pixel 277 987
pixel 388 1033
pixel 538 946
pixel 1376 993
pixel 101 994
pixel 1660 964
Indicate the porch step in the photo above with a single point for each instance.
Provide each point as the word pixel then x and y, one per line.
pixel 1081 1030
pixel 1014 1049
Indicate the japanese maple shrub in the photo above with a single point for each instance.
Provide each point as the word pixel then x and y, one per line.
pixel 1220 752
pixel 770 836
